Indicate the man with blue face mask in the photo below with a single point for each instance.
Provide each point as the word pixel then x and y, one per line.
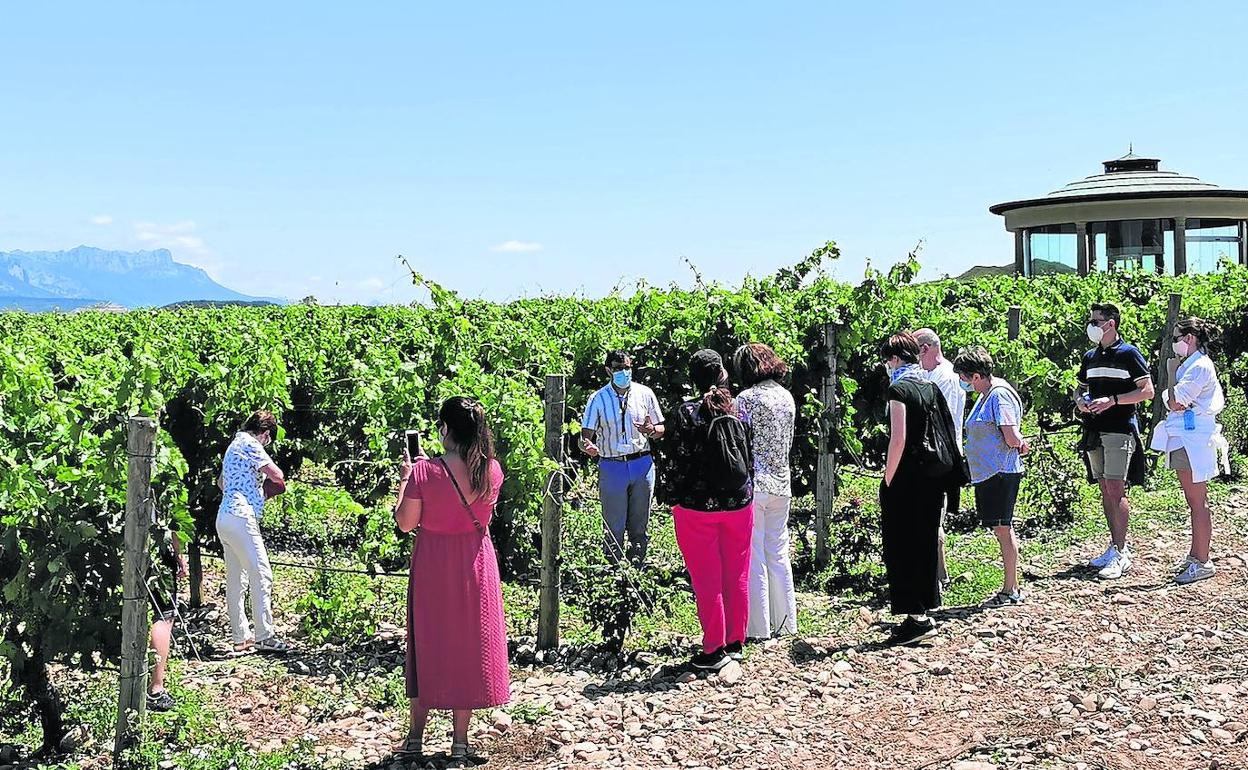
pixel 1113 378
pixel 620 421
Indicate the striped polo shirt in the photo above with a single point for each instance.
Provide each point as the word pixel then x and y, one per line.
pixel 1112 371
pixel 612 418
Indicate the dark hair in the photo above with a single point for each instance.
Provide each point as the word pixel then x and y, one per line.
pixel 973 360
pixel 903 345
pixel 464 419
pixel 617 357
pixel 757 362
pixel 260 421
pixel 1205 331
pixel 1109 310
pixel 706 369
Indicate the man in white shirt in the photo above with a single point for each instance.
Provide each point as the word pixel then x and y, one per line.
pixel 939 371
pixel 620 421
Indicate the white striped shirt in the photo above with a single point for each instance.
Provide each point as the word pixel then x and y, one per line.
pixel 612 418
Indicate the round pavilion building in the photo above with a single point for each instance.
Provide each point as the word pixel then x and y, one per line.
pixel 1132 215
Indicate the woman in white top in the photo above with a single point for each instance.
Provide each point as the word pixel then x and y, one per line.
pixel 771 410
pixel 1191 437
pixel 244 470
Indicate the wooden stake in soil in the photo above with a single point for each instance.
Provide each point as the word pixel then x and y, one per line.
pixel 825 470
pixel 1165 374
pixel 132 690
pixel 552 517
pixel 1015 321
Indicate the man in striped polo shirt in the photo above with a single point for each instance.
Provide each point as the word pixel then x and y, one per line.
pixel 1113 378
pixel 620 421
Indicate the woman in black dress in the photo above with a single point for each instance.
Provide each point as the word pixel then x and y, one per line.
pixel 910 500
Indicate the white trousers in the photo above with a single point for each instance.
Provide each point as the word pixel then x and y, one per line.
pixel 246 561
pixel 773 601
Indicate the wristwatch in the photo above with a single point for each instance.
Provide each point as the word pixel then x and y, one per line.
pixel 1115 399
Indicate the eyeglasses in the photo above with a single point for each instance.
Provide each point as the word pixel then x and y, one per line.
pixel 621 368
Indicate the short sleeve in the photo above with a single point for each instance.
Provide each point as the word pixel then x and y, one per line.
pixel 1083 370
pixel 1137 366
pixel 593 413
pixel 652 409
pixel 415 489
pixel 1192 384
pixel 496 481
pixel 744 405
pixel 1005 410
pixel 254 454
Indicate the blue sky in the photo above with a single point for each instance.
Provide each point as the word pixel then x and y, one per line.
pixel 513 149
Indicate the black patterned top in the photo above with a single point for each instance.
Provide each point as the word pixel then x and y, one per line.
pixel 687 435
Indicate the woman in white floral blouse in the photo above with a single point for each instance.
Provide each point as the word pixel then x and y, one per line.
pixel 773 602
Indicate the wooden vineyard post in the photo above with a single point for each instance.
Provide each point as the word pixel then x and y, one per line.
pixel 132 685
pixel 1015 321
pixel 1165 374
pixel 552 517
pixel 825 470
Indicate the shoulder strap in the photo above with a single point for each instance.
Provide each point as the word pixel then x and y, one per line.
pixel 475 521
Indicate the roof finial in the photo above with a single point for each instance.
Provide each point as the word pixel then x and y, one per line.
pixel 1130 147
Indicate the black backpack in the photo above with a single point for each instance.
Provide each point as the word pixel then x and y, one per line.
pixel 727 460
pixel 939 454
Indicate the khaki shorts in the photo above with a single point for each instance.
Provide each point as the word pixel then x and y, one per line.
pixel 1179 461
pixel 1112 458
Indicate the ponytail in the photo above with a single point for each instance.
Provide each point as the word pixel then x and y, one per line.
pixel 718 400
pixel 465 422
pixel 1204 331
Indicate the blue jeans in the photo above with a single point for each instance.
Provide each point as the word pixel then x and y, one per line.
pixel 626 489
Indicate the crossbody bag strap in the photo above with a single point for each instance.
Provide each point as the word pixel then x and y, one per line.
pixel 475 521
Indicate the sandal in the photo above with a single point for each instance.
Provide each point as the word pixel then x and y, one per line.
pixel 273 645
pixel 410 748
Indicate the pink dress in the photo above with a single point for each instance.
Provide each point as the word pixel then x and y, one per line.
pixel 456 633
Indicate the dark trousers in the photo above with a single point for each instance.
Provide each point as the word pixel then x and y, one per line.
pixel 910 519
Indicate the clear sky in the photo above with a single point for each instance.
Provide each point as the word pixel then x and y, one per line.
pixel 509 149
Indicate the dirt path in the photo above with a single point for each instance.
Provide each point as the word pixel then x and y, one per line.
pixel 1137 673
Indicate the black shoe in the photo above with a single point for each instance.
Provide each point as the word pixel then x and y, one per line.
pixel 735 651
pixel 911 631
pixel 161 701
pixel 710 661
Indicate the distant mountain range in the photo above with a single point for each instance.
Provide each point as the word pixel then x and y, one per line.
pixel 86 276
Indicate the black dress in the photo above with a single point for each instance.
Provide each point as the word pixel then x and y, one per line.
pixel 910 510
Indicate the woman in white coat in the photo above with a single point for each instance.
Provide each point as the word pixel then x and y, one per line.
pixel 1191 437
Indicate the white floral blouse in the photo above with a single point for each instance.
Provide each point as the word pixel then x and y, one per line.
pixel 772 412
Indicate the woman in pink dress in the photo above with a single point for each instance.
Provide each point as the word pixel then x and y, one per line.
pixel 456 634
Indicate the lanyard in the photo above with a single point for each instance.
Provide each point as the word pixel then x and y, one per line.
pixel 623 411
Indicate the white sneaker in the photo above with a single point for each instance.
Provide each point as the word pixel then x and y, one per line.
pixel 1104 559
pixel 1118 566
pixel 1195 571
pixel 1181 565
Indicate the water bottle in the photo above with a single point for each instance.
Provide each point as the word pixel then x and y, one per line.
pixel 1189 419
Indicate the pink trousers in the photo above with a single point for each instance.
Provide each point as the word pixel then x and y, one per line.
pixel 716 547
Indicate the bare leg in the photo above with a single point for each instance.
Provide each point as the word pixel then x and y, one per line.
pixel 162 633
pixel 1009 557
pixel 1202 518
pixel 418 718
pixel 461 718
pixel 1117 510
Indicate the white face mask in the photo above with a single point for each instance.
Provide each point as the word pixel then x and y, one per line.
pixel 1095 333
pixel 1181 348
